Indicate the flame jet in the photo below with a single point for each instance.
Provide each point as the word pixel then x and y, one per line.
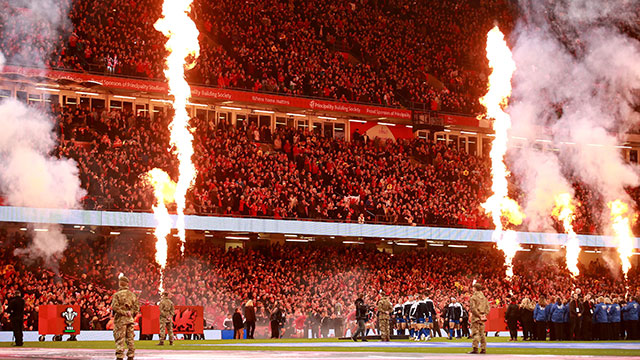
pixel 564 211
pixel 499 204
pixel 183 47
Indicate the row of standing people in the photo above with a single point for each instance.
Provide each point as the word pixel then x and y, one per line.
pixel 577 318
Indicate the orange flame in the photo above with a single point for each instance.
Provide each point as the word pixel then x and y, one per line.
pixel 164 190
pixel 622 230
pixel 564 211
pixel 499 204
pixel 183 47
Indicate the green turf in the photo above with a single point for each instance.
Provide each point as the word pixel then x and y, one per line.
pixel 220 345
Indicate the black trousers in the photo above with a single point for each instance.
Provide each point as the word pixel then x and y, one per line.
pixel 541 331
pixel 361 330
pixel 16 326
pixel 615 331
pixel 586 330
pixel 558 331
pixel 575 325
pixel 513 329
pixel 632 330
pixel 275 329
pixel 250 326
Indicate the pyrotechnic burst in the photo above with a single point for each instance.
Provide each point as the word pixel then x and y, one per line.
pixel 499 204
pixel 564 211
pixel 183 47
pixel 622 230
pixel 164 191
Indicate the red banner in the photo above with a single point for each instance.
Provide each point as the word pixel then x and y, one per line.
pixel 495 320
pixel 460 120
pixel 187 320
pixel 59 320
pixel 215 93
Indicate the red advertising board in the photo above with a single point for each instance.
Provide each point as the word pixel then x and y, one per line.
pixel 59 320
pixel 460 120
pixel 216 93
pixel 187 320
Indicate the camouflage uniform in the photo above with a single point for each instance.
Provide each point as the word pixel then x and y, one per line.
pixel 479 311
pixel 124 306
pixel 384 307
pixel 166 318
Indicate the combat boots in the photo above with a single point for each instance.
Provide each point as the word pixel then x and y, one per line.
pixel 170 342
pixel 161 343
pixel 474 351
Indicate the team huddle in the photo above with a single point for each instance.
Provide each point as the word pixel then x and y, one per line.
pixel 418 317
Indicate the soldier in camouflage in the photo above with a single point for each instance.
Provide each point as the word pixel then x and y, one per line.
pixel 167 311
pixel 384 308
pixel 124 306
pixel 479 308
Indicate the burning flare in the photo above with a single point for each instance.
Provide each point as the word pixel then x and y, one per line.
pixel 499 204
pixel 564 211
pixel 622 231
pixel 183 47
pixel 164 191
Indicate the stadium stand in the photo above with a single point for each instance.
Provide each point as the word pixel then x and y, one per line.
pixel 307 279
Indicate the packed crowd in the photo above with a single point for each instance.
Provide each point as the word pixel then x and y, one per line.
pixel 309 281
pixel 286 174
pixel 382 52
pixel 247 170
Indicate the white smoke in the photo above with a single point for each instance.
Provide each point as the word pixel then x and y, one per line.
pixel 32 27
pixel 1 60
pixel 578 71
pixel 31 176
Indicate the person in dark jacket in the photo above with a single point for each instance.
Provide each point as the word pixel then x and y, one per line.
pixel 276 319
pixel 238 325
pixel 587 318
pixel 540 319
pixel 15 308
pixel 250 319
pixel 511 317
pixel 361 317
pixel 575 318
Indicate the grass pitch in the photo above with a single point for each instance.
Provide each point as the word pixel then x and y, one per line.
pixel 326 345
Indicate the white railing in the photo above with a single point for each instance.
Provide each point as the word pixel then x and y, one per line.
pixel 311 228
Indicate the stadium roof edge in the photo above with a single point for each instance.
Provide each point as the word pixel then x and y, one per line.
pixel 315 228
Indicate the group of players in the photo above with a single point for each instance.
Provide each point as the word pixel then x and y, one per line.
pixel 418 316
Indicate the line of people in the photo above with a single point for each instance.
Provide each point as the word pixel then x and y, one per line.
pixel 578 318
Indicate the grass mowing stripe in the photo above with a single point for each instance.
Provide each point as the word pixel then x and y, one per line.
pixel 220 346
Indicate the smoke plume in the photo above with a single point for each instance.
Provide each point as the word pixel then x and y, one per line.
pixel 31 176
pixel 576 85
pixel 31 29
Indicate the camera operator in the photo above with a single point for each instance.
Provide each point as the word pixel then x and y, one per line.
pixel 361 317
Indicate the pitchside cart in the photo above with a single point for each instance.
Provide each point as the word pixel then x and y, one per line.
pixel 188 320
pixel 59 320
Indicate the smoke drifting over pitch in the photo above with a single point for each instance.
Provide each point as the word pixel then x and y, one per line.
pixel 575 85
pixel 31 176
